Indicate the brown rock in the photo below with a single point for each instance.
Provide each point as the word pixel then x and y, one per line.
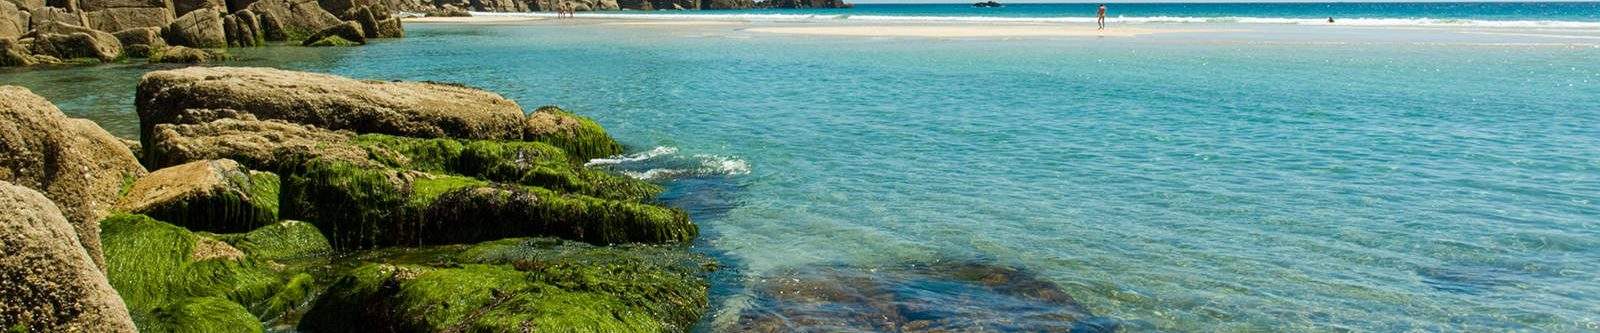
pixel 391 28
pixel 342 6
pixel 28 5
pixel 349 30
pixel 186 55
pixel 243 29
pixel 12 54
pixel 39 20
pixel 118 15
pixel 363 16
pixel 73 161
pixel 291 19
pixel 213 195
pixel 727 4
pixel 49 282
pixel 200 28
pixel 65 41
pixel 140 42
pixel 259 145
pixel 181 7
pixel 12 22
pixel 417 109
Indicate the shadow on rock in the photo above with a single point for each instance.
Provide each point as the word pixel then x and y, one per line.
pixel 938 297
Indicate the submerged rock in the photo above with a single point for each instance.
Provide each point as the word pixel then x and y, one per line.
pixel 937 297
pixel 78 165
pixel 581 137
pixel 216 196
pixel 48 281
pixel 173 278
pixel 518 285
pixel 418 109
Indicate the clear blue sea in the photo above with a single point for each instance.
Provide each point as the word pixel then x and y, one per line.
pixel 1270 178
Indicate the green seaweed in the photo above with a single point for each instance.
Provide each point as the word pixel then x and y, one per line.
pixel 537 284
pixel 526 163
pixel 152 265
pixel 332 41
pixel 355 207
pixel 484 213
pixel 200 315
pixel 247 201
pixel 281 241
pixel 587 140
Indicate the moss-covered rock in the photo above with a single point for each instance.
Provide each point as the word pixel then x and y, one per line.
pixel 520 285
pixel 473 214
pixel 581 137
pixel 257 144
pixel 159 269
pixel 215 196
pixel 285 240
pixel 527 163
pixel 330 41
pixel 201 315
pixel 362 207
pixel 185 55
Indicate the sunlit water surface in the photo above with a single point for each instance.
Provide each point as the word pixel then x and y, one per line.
pixel 1301 179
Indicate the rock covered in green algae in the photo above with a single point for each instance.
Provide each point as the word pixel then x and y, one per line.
pixel 519 285
pixel 47 281
pixel 285 240
pixel 165 274
pixel 331 41
pixel 363 207
pixel 211 195
pixel 415 109
pixel 582 137
pixel 185 55
pixel 526 163
pixel 74 162
pixel 350 31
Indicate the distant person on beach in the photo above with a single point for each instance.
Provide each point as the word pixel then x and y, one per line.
pixel 1330 19
pixel 1100 16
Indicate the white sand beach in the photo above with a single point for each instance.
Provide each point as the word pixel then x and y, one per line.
pixel 972 30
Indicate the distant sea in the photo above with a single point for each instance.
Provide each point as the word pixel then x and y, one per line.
pixel 1258 178
pixel 1523 14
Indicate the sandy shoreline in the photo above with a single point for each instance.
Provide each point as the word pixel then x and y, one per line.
pixel 847 29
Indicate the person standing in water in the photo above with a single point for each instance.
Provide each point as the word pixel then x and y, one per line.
pixel 1100 16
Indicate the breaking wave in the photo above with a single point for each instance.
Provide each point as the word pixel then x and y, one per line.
pixel 666 163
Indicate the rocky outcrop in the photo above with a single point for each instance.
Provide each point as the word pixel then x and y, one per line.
pixel 363 15
pixel 141 42
pixel 675 4
pixel 118 15
pixel 13 22
pixel 727 4
pixel 181 7
pixel 201 28
pixel 349 31
pixel 48 280
pixel 39 19
pixel 283 20
pixel 66 41
pixel 259 145
pixel 13 54
pixel 243 29
pixel 418 109
pixel 219 196
pixel 75 163
pixel 391 28
pixel 803 4
pixel 512 285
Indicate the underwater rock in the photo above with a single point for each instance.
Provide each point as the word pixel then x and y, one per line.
pixel 216 196
pixel 519 285
pixel 937 297
pixel 349 31
pixel 581 137
pixel 74 162
pixel 160 270
pixel 417 109
pixel 48 281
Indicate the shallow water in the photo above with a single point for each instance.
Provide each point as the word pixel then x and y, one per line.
pixel 1274 179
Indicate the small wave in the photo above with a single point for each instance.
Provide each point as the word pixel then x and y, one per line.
pixel 1424 22
pixel 652 153
pixel 665 163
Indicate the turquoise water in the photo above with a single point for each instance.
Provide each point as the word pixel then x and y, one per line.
pixel 1271 179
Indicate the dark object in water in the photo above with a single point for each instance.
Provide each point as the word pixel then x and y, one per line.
pixel 943 296
pixel 987 4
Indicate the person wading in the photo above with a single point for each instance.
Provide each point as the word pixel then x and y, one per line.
pixel 1100 16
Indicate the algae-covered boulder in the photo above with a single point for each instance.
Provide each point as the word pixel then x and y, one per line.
pixel 363 207
pixel 259 145
pixel 161 269
pixel 418 109
pixel 201 28
pixel 521 285
pixel 215 195
pixel 75 163
pixel 186 55
pixel 581 137
pixel 349 31
pixel 47 281
pixel 476 214
pixel 527 163
pixel 330 41
pixel 285 240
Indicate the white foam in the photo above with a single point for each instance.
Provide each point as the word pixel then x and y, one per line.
pixel 636 157
pixel 1423 22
